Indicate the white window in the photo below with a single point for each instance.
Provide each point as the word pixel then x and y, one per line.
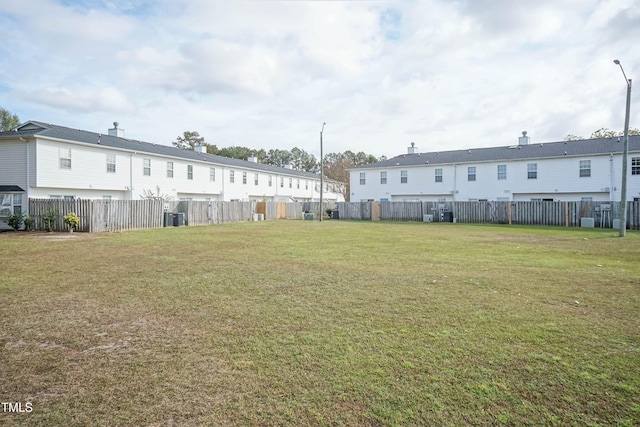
pixel 306 184
pixel 502 171
pixel 438 174
pixel 404 177
pixel 635 166
pixel 383 177
pixel 281 182
pixel 189 171
pixel 64 155
pixel 169 169
pixel 244 177
pixel 290 182
pixel 471 173
pixel 232 176
pixel 17 203
pixel 212 174
pixel 6 205
pixel 111 163
pixel 106 197
pixel 363 178
pixel 270 180
pixel 298 184
pixel 146 167
pixel 585 168
pixel 255 179
pixel 532 171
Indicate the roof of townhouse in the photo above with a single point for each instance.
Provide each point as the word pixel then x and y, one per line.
pixel 585 147
pixel 36 128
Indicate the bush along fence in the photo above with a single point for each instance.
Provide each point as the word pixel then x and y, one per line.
pixel 118 215
pixel 567 214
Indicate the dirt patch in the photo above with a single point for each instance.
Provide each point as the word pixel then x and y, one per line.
pixel 43 235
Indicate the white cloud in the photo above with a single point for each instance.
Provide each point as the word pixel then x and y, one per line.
pixel 107 99
pixel 266 74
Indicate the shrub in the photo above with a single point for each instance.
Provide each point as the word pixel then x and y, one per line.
pixel 48 219
pixel 72 220
pixel 28 223
pixel 15 221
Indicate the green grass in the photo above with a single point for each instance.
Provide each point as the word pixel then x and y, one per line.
pixel 332 323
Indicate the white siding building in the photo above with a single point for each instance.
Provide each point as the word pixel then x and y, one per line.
pixel 558 171
pixel 39 160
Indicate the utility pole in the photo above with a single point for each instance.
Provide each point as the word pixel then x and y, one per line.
pixel 321 171
pixel 625 154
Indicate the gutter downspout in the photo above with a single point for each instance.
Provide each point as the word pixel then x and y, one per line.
pixel 28 172
pixel 455 189
pixel 131 175
pixel 223 178
pixel 611 186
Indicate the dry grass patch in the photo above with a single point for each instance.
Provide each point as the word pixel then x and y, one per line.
pixel 333 323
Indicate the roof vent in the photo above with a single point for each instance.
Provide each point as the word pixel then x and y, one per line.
pixel 199 148
pixel 116 131
pixel 413 149
pixel 524 139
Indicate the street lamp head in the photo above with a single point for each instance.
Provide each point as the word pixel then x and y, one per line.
pixel 615 61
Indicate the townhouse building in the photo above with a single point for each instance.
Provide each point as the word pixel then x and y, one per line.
pixel 41 160
pixel 557 171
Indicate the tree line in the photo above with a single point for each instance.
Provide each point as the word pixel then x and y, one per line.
pixel 602 133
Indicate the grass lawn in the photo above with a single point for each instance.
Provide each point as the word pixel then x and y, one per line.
pixel 332 323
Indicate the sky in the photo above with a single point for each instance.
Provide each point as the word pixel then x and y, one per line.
pixel 267 74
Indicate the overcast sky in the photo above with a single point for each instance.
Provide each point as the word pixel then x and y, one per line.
pixel 267 74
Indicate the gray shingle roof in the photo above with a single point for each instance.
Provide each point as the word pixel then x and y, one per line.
pixel 514 152
pixel 35 128
pixel 9 188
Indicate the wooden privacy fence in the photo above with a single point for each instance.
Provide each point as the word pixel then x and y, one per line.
pixel 99 215
pixel 568 214
pixel 119 215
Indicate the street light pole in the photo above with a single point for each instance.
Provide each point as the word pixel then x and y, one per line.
pixel 321 171
pixel 625 154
